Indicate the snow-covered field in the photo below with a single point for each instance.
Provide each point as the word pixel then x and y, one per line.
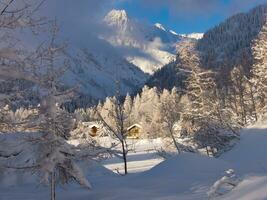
pixel 142 157
pixel 185 177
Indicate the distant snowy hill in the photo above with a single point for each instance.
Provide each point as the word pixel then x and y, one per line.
pixel 145 45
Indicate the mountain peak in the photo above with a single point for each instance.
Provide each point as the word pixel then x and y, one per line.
pixel 117 19
pixel 116 16
pixel 160 26
pixel 148 46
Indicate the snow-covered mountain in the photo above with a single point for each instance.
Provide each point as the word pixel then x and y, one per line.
pixel 145 45
pixel 223 47
pixel 98 68
pixel 127 53
pixel 196 36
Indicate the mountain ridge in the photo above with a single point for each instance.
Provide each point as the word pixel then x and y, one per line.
pixel 148 46
pixel 223 47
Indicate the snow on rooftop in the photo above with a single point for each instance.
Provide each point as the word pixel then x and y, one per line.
pixel 134 125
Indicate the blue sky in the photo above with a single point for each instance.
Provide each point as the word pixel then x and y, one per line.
pixel 186 16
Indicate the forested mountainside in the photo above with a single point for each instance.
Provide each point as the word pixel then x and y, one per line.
pixel 221 49
pixel 168 77
pixel 230 43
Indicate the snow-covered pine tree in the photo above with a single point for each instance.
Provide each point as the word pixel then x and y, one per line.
pixel 149 112
pixel 128 106
pixel 200 90
pixel 242 97
pixel 55 155
pixel 259 70
pixel 170 110
pixel 205 117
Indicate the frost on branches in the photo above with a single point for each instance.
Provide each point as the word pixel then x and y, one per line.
pixel 205 118
pixel 259 70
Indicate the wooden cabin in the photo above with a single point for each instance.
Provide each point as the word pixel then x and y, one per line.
pixel 91 129
pixel 134 131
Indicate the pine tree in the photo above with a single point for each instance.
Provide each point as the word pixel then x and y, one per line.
pixel 241 95
pixel 259 70
pixel 170 110
pixel 128 106
pixel 205 117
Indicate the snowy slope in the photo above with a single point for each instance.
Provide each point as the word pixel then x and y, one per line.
pixel 97 67
pixel 142 157
pixel 147 46
pixel 249 159
pixel 250 155
pixel 251 188
pixel 186 177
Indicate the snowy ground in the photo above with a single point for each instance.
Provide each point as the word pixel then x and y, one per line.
pixel 142 157
pixel 185 177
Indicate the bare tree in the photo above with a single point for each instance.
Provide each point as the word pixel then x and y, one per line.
pixel 114 118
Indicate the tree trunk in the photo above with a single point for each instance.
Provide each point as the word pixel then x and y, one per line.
pixel 124 157
pixel 253 102
pixel 207 150
pixel 242 104
pixel 53 186
pixel 175 143
pixel 235 103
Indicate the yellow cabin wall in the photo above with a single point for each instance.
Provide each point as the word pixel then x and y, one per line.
pixel 134 132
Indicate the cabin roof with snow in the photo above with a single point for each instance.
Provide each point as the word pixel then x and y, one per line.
pixel 133 126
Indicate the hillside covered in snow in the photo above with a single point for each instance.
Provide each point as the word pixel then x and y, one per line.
pixel 97 68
